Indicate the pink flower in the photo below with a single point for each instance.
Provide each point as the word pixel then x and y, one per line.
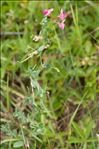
pixel 61 25
pixel 62 15
pixel 47 12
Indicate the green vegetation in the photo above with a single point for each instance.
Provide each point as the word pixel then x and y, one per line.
pixel 49 76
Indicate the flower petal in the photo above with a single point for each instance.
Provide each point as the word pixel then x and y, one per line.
pixel 47 12
pixel 62 15
pixel 61 25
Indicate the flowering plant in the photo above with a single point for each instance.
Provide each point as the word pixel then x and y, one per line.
pixel 62 17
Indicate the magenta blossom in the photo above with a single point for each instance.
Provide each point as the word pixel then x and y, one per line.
pixel 61 25
pixel 62 15
pixel 47 12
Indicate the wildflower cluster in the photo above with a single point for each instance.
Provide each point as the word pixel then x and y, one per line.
pixel 62 17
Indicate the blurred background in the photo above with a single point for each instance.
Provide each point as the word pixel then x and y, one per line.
pixel 49 77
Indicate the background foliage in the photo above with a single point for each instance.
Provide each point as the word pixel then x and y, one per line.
pixel 49 77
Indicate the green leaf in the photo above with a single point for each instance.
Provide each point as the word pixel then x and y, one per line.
pixel 18 144
pixel 41 48
pixel 90 125
pixel 78 129
pixel 80 140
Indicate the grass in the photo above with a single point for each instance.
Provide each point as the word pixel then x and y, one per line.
pixel 49 76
